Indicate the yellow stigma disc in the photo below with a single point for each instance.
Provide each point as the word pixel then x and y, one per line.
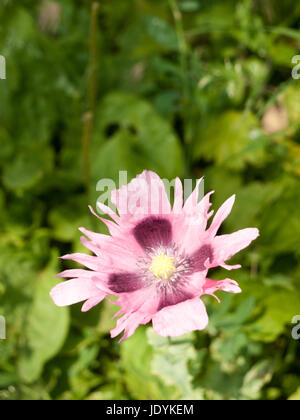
pixel 162 266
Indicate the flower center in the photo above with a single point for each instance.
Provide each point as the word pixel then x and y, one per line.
pixel 163 266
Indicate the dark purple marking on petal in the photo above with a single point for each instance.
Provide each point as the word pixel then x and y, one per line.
pixel 200 256
pixel 124 282
pixel 153 231
pixel 169 297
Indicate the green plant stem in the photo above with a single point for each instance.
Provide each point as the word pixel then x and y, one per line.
pixel 88 117
pixel 183 48
pixel 183 51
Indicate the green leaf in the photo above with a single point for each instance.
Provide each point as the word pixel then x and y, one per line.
pixel 289 99
pixel 171 362
pixel 28 167
pixel 280 223
pixel 46 328
pixel 244 215
pixel 232 139
pixel 225 183
pixel 137 356
pixel 281 52
pixel 161 32
pixel 107 322
pixel 295 396
pixel 7 145
pixel 228 350
pixel 81 378
pixel 259 375
pixel 278 308
pixel 67 217
pixel 123 141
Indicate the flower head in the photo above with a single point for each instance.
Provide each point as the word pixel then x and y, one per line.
pixel 155 259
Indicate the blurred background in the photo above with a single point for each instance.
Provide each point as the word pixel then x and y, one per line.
pixel 182 87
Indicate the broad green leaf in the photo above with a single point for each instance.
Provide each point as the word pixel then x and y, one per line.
pixel 137 361
pixel 231 139
pixel 123 142
pixel 171 362
pixel 219 385
pixel 244 215
pixel 230 350
pixel 280 223
pixel 259 375
pixel 81 377
pixel 28 167
pixel 278 306
pixel 46 327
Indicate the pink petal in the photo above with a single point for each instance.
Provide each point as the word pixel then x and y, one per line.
pixel 107 210
pixel 179 319
pixel 129 324
pixel 76 272
pixel 138 307
pixel 112 227
pixel 189 228
pixel 225 246
pixel 203 207
pixel 145 195
pixel 106 261
pixel 91 302
pixel 145 300
pixel 91 246
pixel 74 291
pixel 90 262
pixel 98 238
pixel 221 215
pixel 230 267
pixel 119 252
pixel 227 285
pixel 178 197
pixel 191 203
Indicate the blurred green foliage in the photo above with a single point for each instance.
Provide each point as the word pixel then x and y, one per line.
pixel 207 93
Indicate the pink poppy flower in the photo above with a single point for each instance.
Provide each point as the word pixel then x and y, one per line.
pixel 155 259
